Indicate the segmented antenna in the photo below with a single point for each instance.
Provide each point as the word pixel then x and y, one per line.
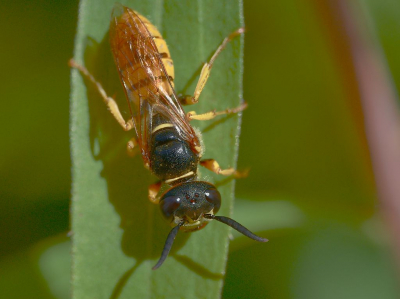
pixel 237 226
pixel 168 245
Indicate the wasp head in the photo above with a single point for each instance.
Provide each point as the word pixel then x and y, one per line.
pixel 190 206
pixel 187 203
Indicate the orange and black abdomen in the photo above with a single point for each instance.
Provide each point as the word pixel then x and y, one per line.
pixel 137 46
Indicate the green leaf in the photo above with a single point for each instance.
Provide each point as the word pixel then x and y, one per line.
pixel 117 233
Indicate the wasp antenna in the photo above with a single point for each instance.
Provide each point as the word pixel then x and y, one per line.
pixel 237 226
pixel 167 245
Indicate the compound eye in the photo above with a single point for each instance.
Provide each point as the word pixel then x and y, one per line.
pixel 214 197
pixel 169 205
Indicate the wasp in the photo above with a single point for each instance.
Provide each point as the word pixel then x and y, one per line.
pixel 170 147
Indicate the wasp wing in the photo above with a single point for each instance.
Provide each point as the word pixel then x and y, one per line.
pixel 148 86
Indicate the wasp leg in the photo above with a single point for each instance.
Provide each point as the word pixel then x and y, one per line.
pixel 205 71
pixel 153 191
pixel 211 114
pixel 132 147
pixel 213 165
pixel 109 101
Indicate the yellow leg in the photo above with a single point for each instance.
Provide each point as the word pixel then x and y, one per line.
pixel 205 71
pixel 153 191
pixel 211 114
pixel 213 165
pixel 132 147
pixel 109 101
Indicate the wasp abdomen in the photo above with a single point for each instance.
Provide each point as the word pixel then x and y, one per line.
pixel 172 159
pixel 143 37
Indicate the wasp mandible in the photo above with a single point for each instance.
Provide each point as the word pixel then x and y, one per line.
pixel 170 146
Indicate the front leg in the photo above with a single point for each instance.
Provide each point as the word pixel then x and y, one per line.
pixel 213 165
pixel 154 189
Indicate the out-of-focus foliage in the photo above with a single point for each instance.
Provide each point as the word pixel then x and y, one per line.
pixel 302 137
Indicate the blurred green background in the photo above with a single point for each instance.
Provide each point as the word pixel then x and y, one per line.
pixel 303 138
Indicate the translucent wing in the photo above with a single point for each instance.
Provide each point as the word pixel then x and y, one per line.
pixel 148 86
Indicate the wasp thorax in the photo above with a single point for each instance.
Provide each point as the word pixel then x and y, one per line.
pixel 189 202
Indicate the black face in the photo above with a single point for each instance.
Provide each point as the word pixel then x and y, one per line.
pixel 190 201
pixel 190 206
